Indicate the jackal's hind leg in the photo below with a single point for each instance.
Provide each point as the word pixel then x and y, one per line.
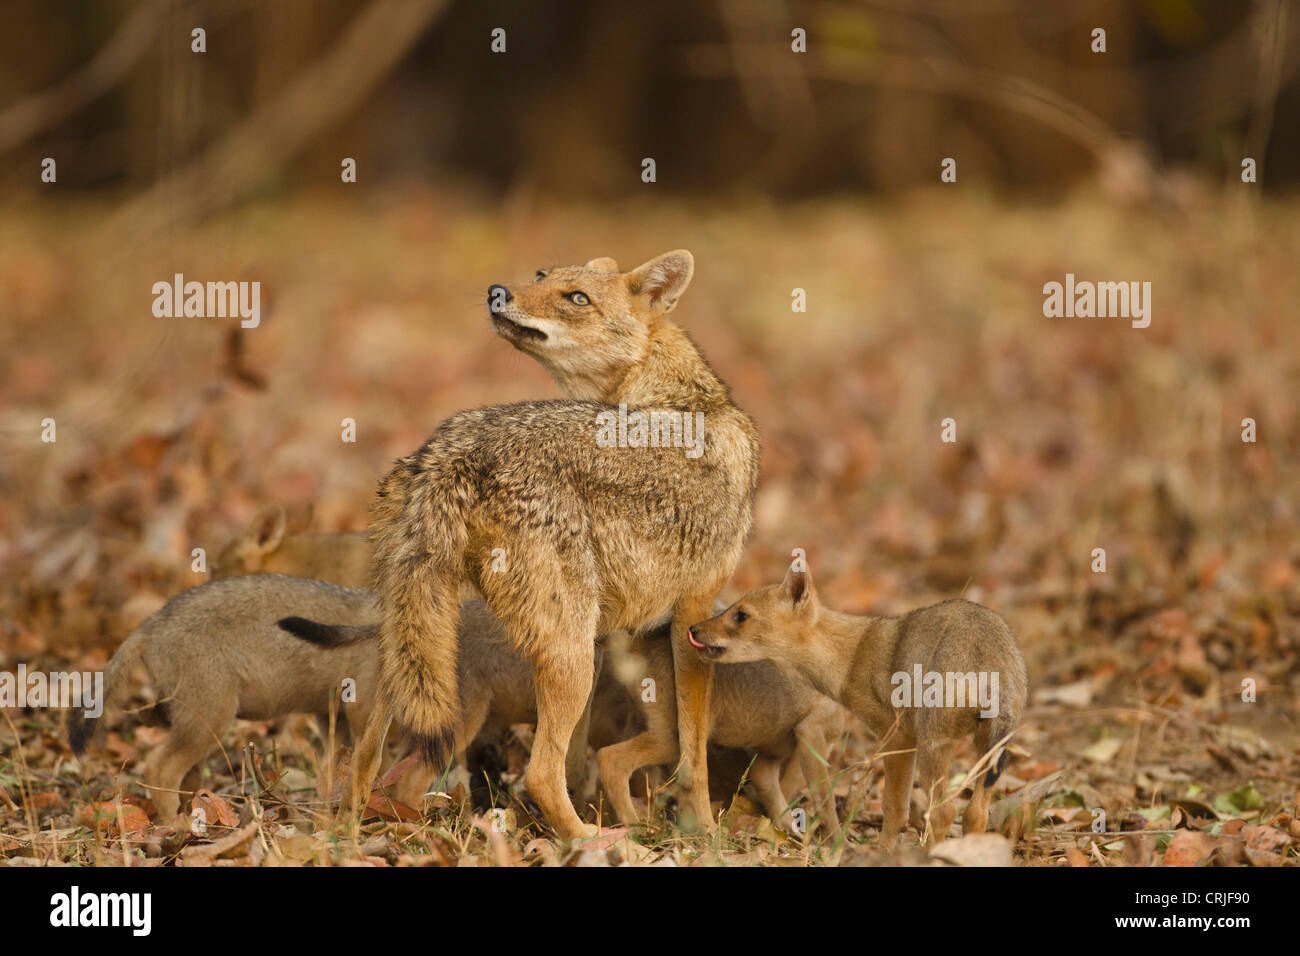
pixel 563 674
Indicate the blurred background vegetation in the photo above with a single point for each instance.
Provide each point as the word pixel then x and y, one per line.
pixel 711 90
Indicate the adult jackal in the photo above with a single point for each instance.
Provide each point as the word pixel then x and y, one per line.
pixel 630 499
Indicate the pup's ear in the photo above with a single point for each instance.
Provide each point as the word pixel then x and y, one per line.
pixel 264 534
pixel 603 264
pixel 661 281
pixel 797 588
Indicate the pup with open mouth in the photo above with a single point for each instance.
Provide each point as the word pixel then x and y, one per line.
pixel 710 652
pixel 862 660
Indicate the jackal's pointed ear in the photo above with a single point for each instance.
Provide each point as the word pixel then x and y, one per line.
pixel 797 588
pixel 603 264
pixel 264 534
pixel 662 280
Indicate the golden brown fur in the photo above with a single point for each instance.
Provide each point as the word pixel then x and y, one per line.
pixel 854 659
pixel 564 538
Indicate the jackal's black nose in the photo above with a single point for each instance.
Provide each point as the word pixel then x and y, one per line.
pixel 498 296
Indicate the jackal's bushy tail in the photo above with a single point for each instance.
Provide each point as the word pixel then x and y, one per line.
pixel 82 729
pixel 420 539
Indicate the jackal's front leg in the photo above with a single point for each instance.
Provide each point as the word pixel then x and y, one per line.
pixel 694 678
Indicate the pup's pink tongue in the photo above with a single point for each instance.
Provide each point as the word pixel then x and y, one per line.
pixel 690 636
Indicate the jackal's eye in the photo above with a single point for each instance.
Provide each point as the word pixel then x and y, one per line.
pixel 740 617
pixel 578 298
pixel 541 274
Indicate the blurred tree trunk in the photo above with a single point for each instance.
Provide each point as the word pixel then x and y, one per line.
pixel 370 47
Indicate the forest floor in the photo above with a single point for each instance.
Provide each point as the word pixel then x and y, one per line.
pixel 1164 689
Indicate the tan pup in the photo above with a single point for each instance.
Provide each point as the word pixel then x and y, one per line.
pixel 881 669
pixel 571 518
pixel 755 706
pixel 266 548
pixel 215 653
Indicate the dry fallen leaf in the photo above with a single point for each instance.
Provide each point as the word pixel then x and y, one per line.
pixel 1189 848
pixel 104 817
pixel 1103 750
pixel 216 810
pixel 976 849
pixel 1077 694
pixel 389 809
pixel 233 845
pixel 1265 838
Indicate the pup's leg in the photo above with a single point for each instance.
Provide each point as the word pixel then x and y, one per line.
pixel 792 775
pixel 195 732
pixel 932 761
pixel 694 679
pixel 167 765
pixel 976 817
pixel 765 775
pixel 895 792
pixel 564 677
pixel 987 735
pixel 656 745
pixel 619 761
pixel 813 748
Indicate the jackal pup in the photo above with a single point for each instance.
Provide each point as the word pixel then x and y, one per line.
pixel 572 518
pixel 871 664
pixel 267 547
pixel 755 706
pixel 216 652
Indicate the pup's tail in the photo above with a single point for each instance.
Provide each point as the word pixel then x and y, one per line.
pixel 988 734
pixel 327 635
pixel 420 539
pixel 82 729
